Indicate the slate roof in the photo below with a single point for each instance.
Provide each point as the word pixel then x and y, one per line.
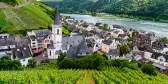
pixel 41 34
pixel 6 42
pixel 77 50
pixel 13 41
pixel 21 52
pixel 72 41
pixel 57 17
pixel 155 55
pixel 143 36
pixel 108 42
pixel 22 49
pixel 51 45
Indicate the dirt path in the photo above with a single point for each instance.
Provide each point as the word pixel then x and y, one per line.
pixel 81 78
pixel 88 79
pixel 4 5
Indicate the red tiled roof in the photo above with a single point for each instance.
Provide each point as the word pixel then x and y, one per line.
pixel 37 50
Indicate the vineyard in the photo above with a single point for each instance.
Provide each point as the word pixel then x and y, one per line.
pixel 27 16
pixel 111 75
pixel 31 16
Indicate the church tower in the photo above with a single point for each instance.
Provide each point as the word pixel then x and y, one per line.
pixel 55 46
pixel 57 32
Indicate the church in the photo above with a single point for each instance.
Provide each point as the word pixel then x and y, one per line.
pixel 74 46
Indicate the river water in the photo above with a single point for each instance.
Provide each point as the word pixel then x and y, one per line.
pixel 160 29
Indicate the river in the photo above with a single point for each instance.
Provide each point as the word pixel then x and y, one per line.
pixel 160 29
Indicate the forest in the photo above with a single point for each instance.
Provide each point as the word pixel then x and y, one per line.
pixel 151 9
pixel 11 2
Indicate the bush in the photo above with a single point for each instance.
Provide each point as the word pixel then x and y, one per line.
pixel 133 66
pixel 31 63
pixel 67 63
pixel 124 64
pixel 94 61
pixel 7 64
pixel 139 65
pixel 149 69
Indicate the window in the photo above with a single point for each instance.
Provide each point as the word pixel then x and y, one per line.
pixel 50 52
pixel 57 31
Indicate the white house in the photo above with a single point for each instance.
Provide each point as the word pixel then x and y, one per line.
pixel 116 32
pixel 157 58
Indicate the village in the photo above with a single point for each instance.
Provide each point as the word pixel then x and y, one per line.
pixel 112 41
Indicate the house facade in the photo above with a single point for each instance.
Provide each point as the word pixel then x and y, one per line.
pixel 141 40
pixel 107 45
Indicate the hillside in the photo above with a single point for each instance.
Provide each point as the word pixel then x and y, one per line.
pixel 144 9
pixel 112 75
pixel 31 16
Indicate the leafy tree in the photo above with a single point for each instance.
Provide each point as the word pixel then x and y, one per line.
pixel 143 9
pixel 165 40
pixel 12 2
pixel 5 58
pixel 134 34
pixel 66 63
pixel 31 63
pixel 124 49
pixel 106 26
pixel 61 57
pixel 149 69
pixel 93 13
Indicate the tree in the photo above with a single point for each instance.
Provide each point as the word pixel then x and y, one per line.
pixel 134 34
pixel 67 63
pixel 31 63
pixel 167 52
pixel 93 13
pixel 165 40
pixel 149 69
pixel 61 57
pixel 124 49
pixel 106 26
pixel 5 58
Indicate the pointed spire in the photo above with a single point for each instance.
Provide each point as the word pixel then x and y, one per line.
pixel 57 17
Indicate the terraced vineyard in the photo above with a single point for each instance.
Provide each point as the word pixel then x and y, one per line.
pixel 32 15
pixel 110 76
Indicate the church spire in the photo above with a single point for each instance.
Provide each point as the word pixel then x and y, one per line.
pixel 57 17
